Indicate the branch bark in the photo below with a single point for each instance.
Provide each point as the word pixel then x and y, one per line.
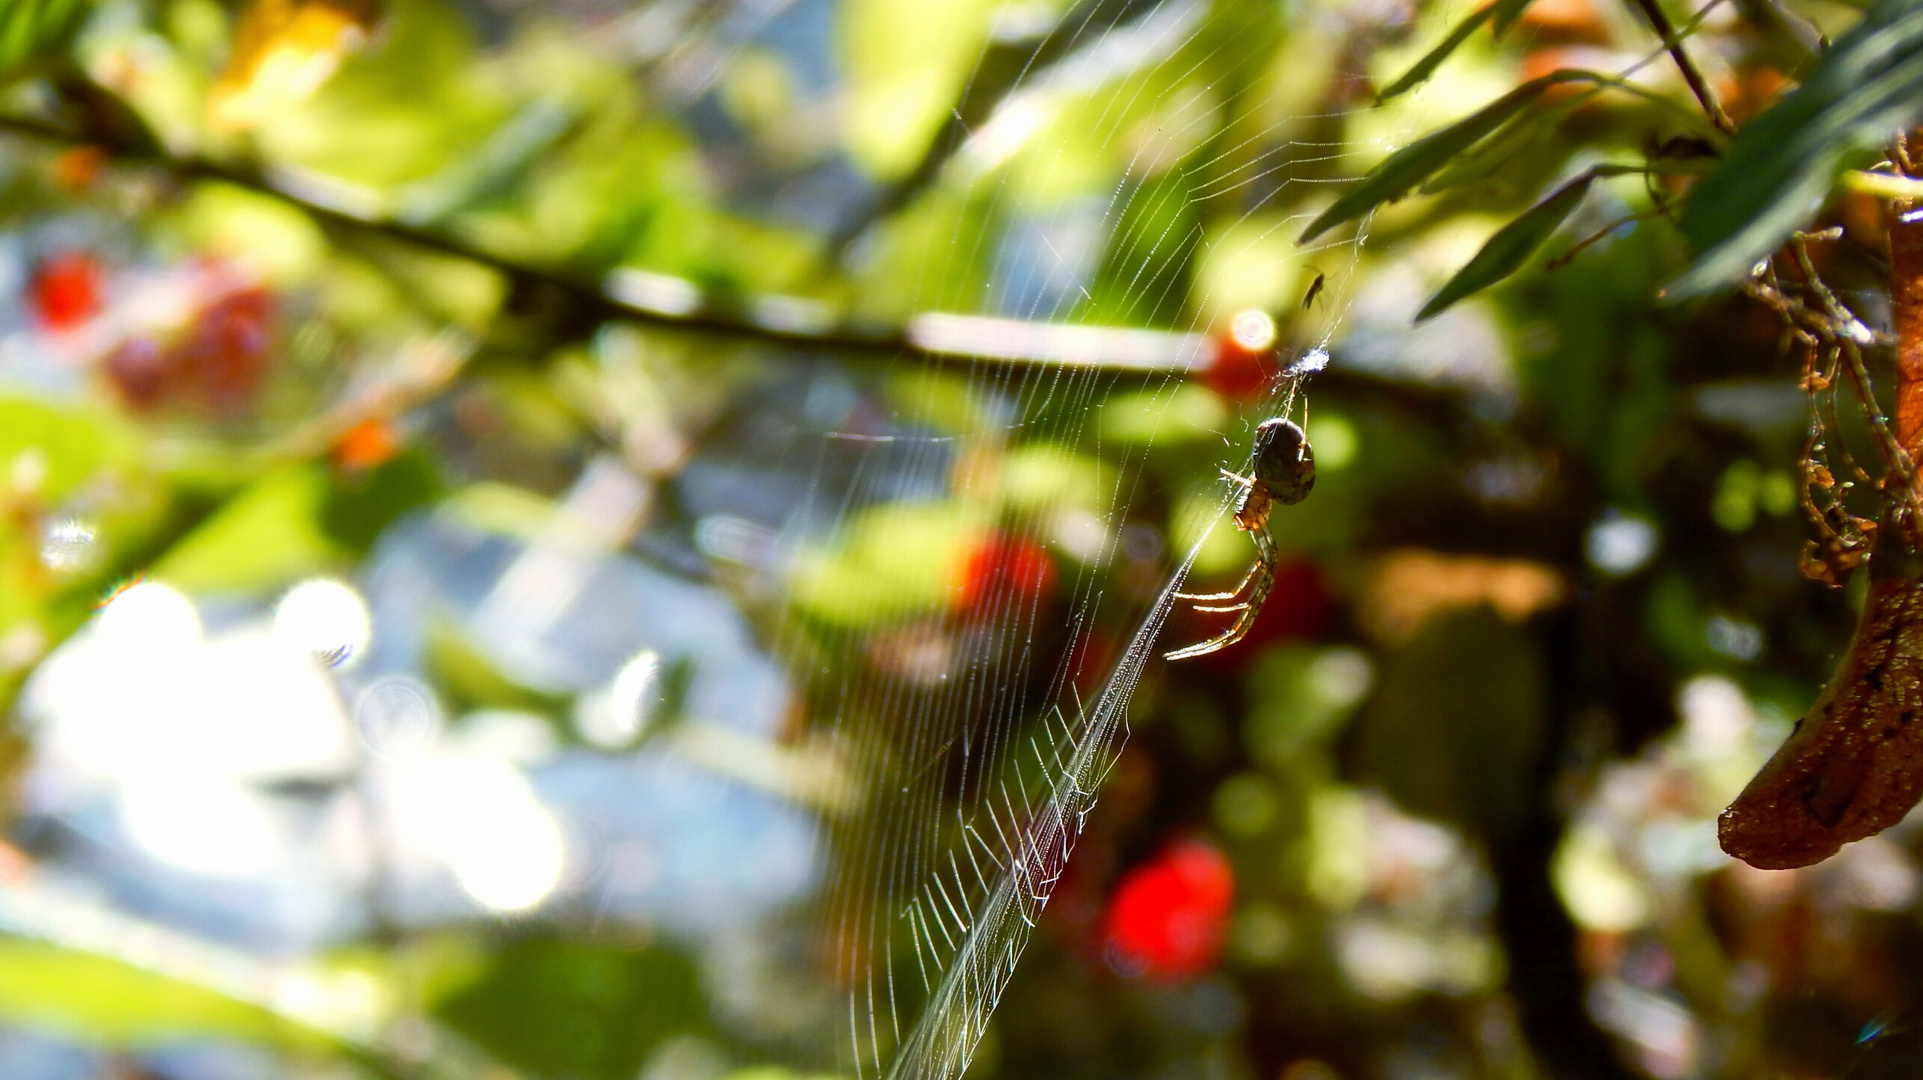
pixel 1853 766
pixel 594 302
pixel 585 301
pixel 1905 225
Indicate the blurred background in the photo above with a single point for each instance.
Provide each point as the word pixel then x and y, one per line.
pixel 574 541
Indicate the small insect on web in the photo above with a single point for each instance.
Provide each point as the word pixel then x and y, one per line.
pixel 1281 470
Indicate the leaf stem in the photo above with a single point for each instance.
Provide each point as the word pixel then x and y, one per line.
pixel 1594 238
pixel 1692 74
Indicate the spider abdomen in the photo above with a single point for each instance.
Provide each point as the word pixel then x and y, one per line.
pixel 1283 463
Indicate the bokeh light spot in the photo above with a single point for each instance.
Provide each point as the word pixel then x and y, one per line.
pixel 327 618
pixel 1253 329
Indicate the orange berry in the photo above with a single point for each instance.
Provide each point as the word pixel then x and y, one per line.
pixel 367 445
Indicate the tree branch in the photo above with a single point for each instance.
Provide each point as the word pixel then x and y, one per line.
pixel 1118 349
pixel 1906 311
pixel 596 300
pixel 1847 771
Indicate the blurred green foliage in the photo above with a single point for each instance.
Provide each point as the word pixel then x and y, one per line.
pixel 337 275
pixel 559 1008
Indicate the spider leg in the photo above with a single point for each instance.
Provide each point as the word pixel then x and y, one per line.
pixel 1226 638
pixel 1213 595
pixel 1203 648
pixel 1231 594
pixel 1260 582
pixel 1246 482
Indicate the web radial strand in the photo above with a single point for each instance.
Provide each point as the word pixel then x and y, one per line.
pixel 1001 922
pixel 981 750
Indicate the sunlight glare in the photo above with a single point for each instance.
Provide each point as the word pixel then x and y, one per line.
pixel 150 616
pixel 326 618
pixel 480 817
pixel 200 825
pixel 1011 127
pixel 614 717
pixel 1620 543
pixel 68 545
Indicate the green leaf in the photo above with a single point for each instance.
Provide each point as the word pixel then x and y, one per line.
pixel 1778 172
pixel 56 449
pixel 1512 245
pixel 1419 160
pixel 1425 67
pixel 1527 132
pixel 30 29
pixel 491 167
pixel 552 1007
pixel 104 1002
pixel 470 678
pixel 359 507
pixel 266 536
pixel 1497 152
pixel 891 561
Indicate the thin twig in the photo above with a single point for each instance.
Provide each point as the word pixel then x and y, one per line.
pixel 1597 237
pixel 1691 73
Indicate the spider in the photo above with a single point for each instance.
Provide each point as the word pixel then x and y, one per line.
pixel 1281 470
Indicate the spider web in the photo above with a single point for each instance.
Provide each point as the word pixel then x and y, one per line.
pixel 1146 159
pixel 978 771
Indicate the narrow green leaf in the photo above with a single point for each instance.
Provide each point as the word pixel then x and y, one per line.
pixel 1492 155
pixel 17 33
pixel 101 1001
pixel 1507 12
pixel 1512 245
pixel 1417 161
pixel 1425 67
pixel 33 29
pixel 1530 130
pixel 1779 170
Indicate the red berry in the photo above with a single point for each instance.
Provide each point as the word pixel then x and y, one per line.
pixel 66 290
pixel 142 372
pixel 1169 914
pixel 1239 372
pixel 1302 605
pixel 1006 570
pixel 228 350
